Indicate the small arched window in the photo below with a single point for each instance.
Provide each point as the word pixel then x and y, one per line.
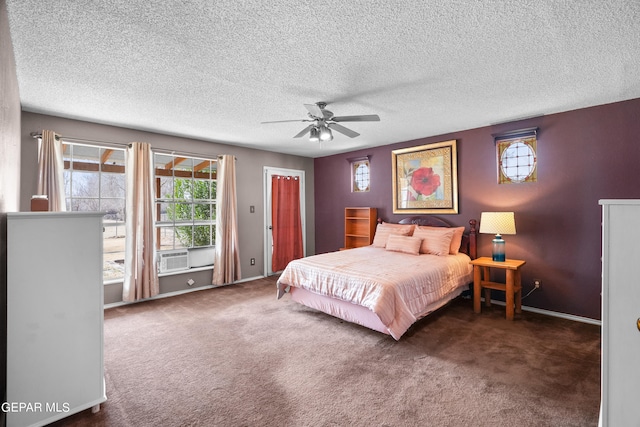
pixel 360 175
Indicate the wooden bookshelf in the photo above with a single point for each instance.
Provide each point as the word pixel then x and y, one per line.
pixel 359 226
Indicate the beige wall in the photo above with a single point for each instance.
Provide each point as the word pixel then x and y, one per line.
pixel 250 164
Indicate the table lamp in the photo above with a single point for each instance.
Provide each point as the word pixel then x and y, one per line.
pixel 498 223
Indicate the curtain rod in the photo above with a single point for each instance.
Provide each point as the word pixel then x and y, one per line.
pixel 37 135
pixel 185 153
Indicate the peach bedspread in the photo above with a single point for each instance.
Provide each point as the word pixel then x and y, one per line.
pixel 397 287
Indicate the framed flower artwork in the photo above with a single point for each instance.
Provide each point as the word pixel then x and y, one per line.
pixel 425 179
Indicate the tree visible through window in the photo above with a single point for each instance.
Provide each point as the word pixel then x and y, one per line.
pixel 94 179
pixel 185 201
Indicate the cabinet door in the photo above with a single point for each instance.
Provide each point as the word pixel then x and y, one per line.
pixel 54 315
pixel 620 312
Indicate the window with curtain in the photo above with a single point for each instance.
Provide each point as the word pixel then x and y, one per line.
pixel 185 190
pixel 94 181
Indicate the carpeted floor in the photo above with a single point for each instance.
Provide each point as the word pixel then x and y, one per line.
pixel 236 356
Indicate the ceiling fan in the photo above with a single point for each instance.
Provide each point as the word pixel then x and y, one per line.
pixel 323 121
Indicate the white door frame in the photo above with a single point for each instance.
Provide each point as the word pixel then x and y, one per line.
pixel 268 237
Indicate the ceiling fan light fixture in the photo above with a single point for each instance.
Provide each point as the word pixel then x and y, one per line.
pixel 315 135
pixel 322 123
pixel 325 134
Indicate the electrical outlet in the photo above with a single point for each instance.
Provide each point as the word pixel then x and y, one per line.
pixel 536 283
pixel 253 261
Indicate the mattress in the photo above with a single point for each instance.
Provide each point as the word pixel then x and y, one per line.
pixel 398 288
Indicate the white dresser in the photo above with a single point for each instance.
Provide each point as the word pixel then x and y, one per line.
pixel 620 313
pixel 55 364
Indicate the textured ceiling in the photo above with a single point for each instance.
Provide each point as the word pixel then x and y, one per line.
pixel 216 70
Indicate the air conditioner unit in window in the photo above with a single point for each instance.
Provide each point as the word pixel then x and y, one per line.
pixel 174 260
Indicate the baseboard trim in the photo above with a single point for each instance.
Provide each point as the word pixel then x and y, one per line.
pixel 554 313
pixel 180 292
pixel 249 279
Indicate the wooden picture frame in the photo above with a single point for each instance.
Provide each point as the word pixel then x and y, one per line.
pixel 425 179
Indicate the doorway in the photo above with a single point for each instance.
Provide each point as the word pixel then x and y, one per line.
pixel 269 172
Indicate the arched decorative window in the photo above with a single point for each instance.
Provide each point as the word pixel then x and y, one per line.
pixel 517 156
pixel 360 174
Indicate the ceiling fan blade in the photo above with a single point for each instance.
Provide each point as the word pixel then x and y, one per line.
pixel 363 118
pixel 284 121
pixel 303 131
pixel 343 130
pixel 314 110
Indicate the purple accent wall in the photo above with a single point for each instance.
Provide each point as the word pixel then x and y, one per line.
pixel 583 156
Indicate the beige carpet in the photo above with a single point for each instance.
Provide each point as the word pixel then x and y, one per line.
pixel 235 356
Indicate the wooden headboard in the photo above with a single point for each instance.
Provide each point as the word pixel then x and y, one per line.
pixel 469 243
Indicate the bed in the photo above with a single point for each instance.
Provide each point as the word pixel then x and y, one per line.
pixel 403 276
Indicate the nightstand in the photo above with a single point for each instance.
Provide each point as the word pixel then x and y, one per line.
pixel 512 287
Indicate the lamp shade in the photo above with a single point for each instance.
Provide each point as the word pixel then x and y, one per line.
pixel 497 223
pixel 325 133
pixel 314 135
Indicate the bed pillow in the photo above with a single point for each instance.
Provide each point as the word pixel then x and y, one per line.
pixel 384 230
pixel 401 227
pixel 404 244
pixel 456 240
pixel 435 240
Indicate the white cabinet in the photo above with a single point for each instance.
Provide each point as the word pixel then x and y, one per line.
pixel 620 313
pixel 55 364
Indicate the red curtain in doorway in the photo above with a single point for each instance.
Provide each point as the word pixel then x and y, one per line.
pixel 286 222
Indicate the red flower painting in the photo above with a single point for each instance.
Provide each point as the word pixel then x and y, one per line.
pixel 424 181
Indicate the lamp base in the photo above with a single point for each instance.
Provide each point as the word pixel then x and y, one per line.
pixel 498 253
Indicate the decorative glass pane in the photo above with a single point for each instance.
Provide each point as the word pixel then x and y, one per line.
pixel 360 176
pixel 517 160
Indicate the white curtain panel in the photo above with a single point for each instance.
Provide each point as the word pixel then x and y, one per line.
pixel 141 275
pixel 226 268
pixel 51 171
